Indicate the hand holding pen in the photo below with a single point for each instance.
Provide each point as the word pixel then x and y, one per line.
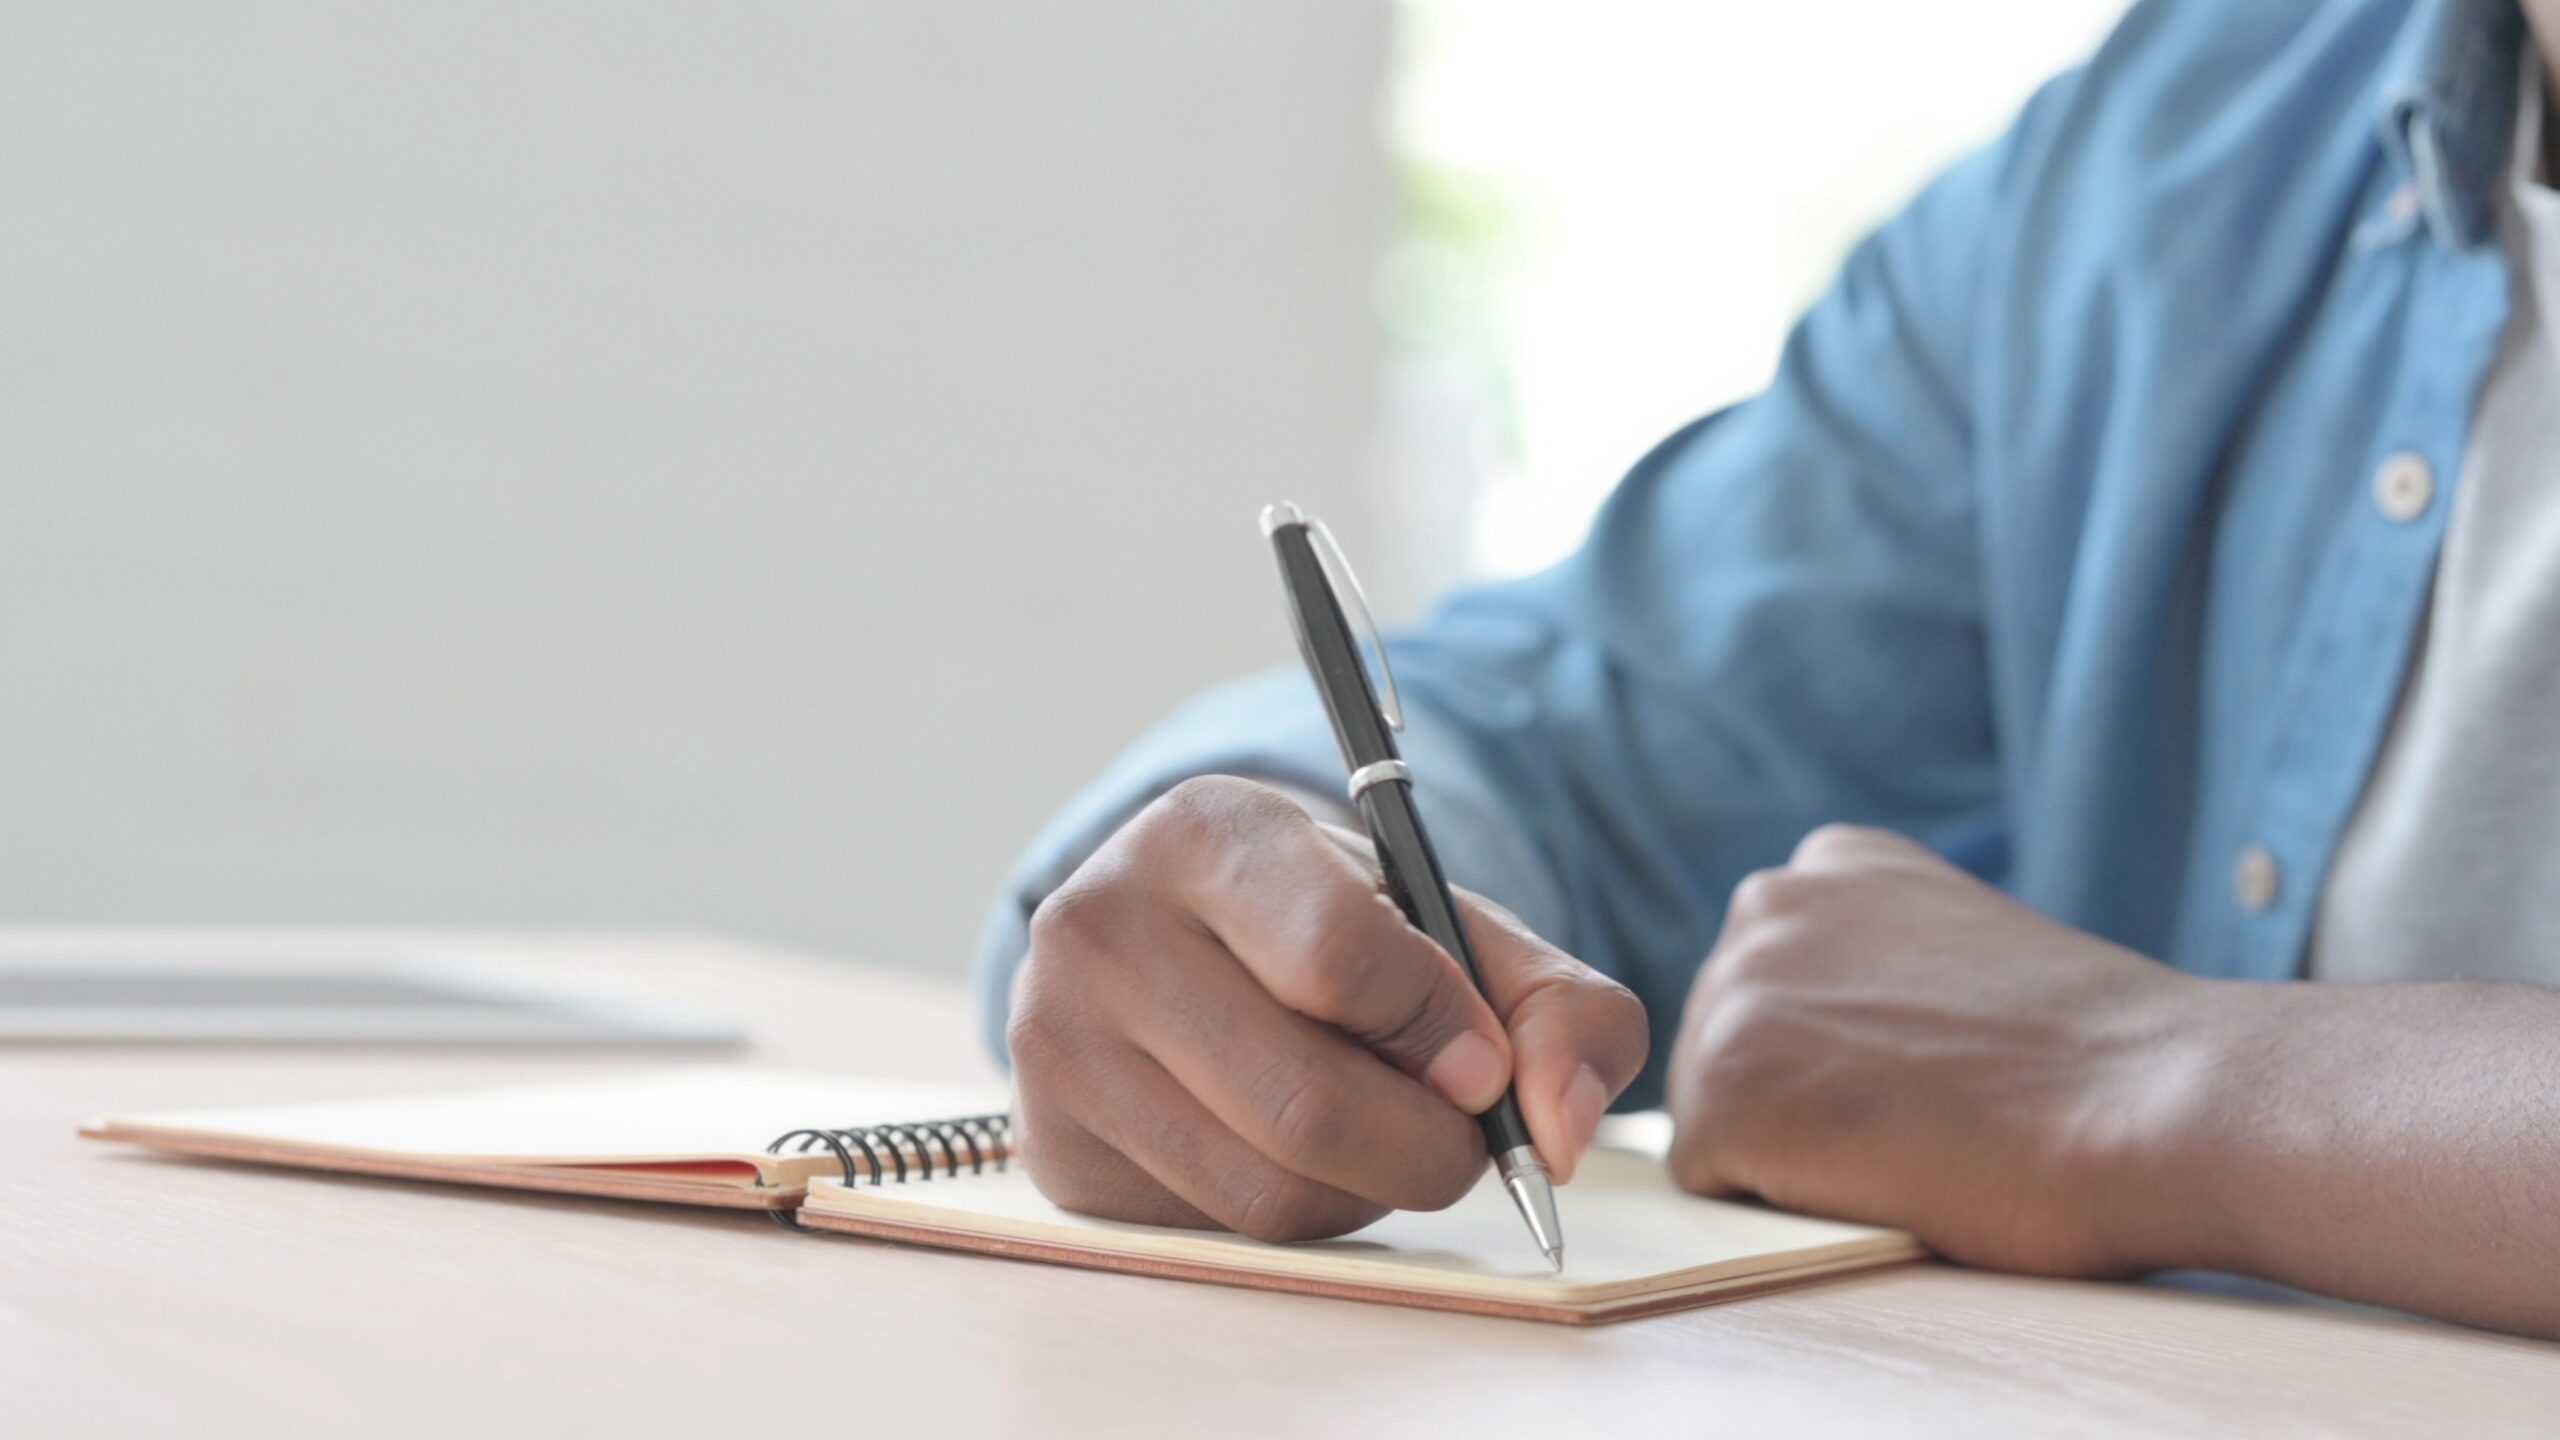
pixel 1225 1020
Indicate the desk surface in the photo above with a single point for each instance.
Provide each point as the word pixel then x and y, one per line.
pixel 147 1295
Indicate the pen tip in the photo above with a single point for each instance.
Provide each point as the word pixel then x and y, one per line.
pixel 1526 1179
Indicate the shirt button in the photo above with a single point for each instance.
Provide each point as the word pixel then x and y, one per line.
pixel 2402 487
pixel 2255 879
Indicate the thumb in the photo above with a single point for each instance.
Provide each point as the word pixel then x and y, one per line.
pixel 1577 1036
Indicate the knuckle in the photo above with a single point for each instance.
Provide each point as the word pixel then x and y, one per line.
pixel 1216 807
pixel 1029 1041
pixel 1621 1019
pixel 1764 895
pixel 1725 1032
pixel 1033 1040
pixel 1301 1108
pixel 1746 960
pixel 1832 841
pixel 1230 835
pixel 1179 817
pixel 1608 1024
pixel 1201 795
pixel 1071 919
pixel 1051 1041
pixel 1279 1207
pixel 1339 959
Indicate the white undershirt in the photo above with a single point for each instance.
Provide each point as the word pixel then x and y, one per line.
pixel 2451 864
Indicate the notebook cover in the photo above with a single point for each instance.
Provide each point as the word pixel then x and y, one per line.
pixel 691 1136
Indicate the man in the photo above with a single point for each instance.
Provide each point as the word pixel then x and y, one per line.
pixel 2152 544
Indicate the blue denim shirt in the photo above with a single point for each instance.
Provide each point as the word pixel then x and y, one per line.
pixel 2058 541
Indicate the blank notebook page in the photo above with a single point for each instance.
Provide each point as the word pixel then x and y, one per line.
pixel 1628 1232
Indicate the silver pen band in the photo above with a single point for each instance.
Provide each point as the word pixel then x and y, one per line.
pixel 1377 772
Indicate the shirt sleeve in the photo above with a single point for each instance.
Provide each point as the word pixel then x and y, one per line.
pixel 1775 622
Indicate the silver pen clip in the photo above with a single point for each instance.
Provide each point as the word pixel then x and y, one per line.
pixel 1337 570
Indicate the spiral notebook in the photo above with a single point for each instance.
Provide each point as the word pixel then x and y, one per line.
pixel 840 1160
pixel 691 1136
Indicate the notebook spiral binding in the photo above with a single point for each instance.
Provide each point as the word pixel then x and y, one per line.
pixel 905 1150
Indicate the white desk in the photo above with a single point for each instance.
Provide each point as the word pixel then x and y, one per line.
pixel 150 1296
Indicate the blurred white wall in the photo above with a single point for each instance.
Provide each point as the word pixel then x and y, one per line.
pixel 727 465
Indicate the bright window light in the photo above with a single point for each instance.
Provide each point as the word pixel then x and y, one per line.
pixel 1612 212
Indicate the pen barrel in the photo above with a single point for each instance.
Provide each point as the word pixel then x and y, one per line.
pixel 1412 873
pixel 1503 1128
pixel 1381 787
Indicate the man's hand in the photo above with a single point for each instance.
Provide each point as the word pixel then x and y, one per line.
pixel 1225 1021
pixel 1879 1036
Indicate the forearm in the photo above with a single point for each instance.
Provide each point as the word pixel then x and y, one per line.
pixel 2394 1144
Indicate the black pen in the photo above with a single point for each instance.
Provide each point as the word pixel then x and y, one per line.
pixel 1382 786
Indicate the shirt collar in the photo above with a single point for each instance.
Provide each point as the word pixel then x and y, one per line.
pixel 2449 107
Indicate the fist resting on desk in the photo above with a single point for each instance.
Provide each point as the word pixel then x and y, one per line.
pixel 1223 1020
pixel 1879 1036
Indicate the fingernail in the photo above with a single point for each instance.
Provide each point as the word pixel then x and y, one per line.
pixel 1468 1072
pixel 1584 1101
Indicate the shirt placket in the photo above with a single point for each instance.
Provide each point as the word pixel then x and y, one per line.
pixel 2364 614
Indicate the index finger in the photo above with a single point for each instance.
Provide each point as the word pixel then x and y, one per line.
pixel 1315 928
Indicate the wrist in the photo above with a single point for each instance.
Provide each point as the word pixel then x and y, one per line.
pixel 2168 1143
